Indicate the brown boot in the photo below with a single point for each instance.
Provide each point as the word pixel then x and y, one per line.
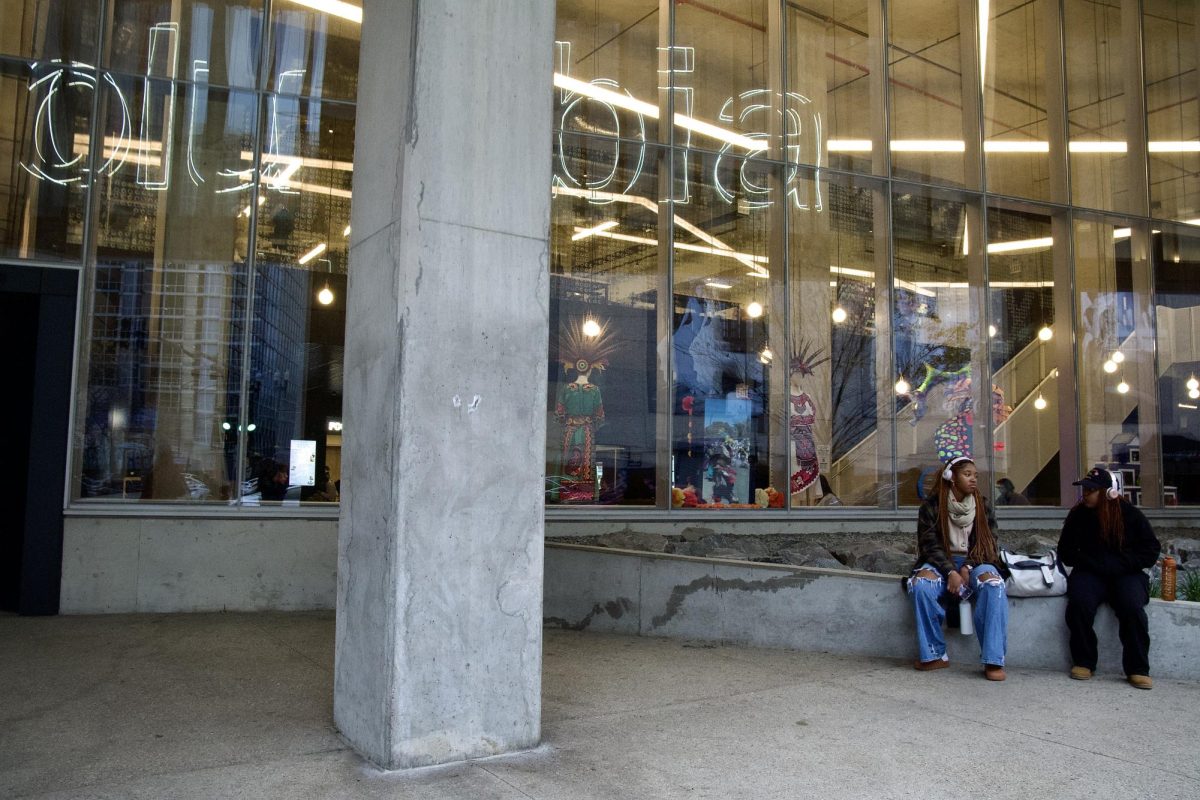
pixel 994 672
pixel 1081 674
pixel 926 666
pixel 1141 681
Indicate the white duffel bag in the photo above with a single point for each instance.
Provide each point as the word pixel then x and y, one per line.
pixel 1034 576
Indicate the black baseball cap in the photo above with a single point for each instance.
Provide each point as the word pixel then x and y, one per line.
pixel 1095 479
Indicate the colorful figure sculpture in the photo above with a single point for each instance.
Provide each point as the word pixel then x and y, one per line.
pixel 806 467
pixel 584 346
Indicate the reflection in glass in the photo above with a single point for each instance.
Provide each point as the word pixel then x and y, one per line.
pixel 1172 116
pixel 834 442
pixel 727 338
pixel 45 129
pixel 314 52
pixel 932 324
pixel 215 41
pixel 1096 105
pixel 1016 134
pixel 162 393
pixel 49 29
pixel 1024 374
pixel 1109 354
pixel 294 395
pixel 925 80
pixel 830 52
pixel 604 275
pixel 1177 311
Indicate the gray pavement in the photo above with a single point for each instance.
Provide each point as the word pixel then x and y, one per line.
pixel 240 706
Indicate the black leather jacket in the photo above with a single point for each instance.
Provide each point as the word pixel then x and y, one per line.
pixel 929 538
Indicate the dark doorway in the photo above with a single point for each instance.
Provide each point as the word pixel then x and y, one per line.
pixel 37 325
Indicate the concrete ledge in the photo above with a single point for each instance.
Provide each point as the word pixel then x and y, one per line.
pixel 114 565
pixel 833 611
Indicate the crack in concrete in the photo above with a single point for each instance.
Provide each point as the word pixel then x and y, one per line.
pixel 682 592
pixel 614 608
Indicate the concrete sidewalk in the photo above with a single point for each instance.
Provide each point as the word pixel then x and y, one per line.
pixel 240 705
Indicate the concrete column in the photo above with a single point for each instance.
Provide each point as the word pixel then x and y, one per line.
pixel 440 543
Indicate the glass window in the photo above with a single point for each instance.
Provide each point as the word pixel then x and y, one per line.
pixel 216 42
pixel 837 452
pixel 50 29
pixel 933 324
pixel 1177 313
pixel 1111 354
pixel 1016 142
pixel 1172 115
pixel 926 82
pixel 314 48
pixel 162 394
pixel 294 395
pixel 45 133
pixel 831 88
pixel 728 336
pixel 1096 105
pixel 605 268
pixel 1024 375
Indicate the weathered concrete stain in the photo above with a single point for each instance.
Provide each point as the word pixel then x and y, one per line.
pixel 682 592
pixel 614 608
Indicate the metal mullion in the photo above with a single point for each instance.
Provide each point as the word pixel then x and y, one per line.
pixel 779 319
pixel 1136 153
pixel 885 355
pixel 1150 472
pixel 665 403
pixel 977 296
pixel 85 285
pixel 881 160
pixel 1056 101
pixel 971 83
pixel 1066 341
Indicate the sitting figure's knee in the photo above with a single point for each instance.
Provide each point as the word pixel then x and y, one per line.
pixel 925 581
pixel 989 579
pixel 928 575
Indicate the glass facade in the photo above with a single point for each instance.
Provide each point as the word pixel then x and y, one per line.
pixel 898 233
pixel 800 252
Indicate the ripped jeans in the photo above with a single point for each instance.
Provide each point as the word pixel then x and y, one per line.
pixel 989 606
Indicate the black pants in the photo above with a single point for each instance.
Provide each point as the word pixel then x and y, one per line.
pixel 1128 596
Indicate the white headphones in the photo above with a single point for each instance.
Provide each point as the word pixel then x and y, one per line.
pixel 948 472
pixel 1114 491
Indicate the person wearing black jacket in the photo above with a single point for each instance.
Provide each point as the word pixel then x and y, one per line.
pixel 958 557
pixel 1109 543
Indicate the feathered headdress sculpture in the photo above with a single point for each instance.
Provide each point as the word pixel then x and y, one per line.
pixel 805 359
pixel 585 344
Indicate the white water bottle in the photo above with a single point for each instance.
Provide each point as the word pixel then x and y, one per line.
pixel 966 621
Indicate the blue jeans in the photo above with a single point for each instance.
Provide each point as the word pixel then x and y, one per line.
pixel 990 607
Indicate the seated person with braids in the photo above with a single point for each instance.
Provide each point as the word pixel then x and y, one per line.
pixel 958 558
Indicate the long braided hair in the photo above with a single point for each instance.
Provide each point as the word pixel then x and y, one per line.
pixel 1112 521
pixel 983 550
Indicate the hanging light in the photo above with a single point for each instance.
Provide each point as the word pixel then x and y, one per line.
pixel 325 296
pixel 838 315
pixel 591 328
pixel 754 310
pixel 1045 334
pixel 766 355
pixel 1193 384
pixel 1118 356
pixel 1110 366
pixel 902 386
pixel 1040 403
pixel 991 331
pixel 1194 394
pixel 1123 387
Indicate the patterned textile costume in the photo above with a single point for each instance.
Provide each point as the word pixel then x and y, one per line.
pixel 805 466
pixel 580 410
pixel 579 407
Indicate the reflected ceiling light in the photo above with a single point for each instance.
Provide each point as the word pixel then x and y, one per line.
pixel 1045 334
pixel 694 248
pixel 1097 147
pixel 584 233
pixel 766 355
pixel 848 145
pixel 225 426
pixel 1173 147
pixel 919 289
pixel 1122 233
pixel 1021 245
pixel 620 100
pixel 928 146
pixel 334 7
pixel 304 161
pixel 1118 357
pixel 856 273
pixel 718 285
pixel 251 427
pixel 991 331
pixel 838 315
pixel 754 310
pixel 325 296
pixel 1110 366
pixel 311 254
pixel 1015 146
pixel 1123 387
pixel 1040 403
pixel 902 386
pixel 1193 384
pixel 1188 406
pixel 1194 394
pixel 347 231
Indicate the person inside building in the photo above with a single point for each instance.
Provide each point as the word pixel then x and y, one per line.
pixel 1007 494
pixel 1109 543
pixel 958 559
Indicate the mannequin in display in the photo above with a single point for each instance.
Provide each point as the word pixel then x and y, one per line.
pixel 584 348
pixel 805 466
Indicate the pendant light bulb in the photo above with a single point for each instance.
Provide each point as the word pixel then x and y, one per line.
pixel 1193 384
pixel 1110 366
pixel 1040 403
pixel 1118 356
pixel 591 328
pixel 839 315
pixel 1194 394
pixel 902 386
pixel 1045 334
pixel 325 296
pixel 1123 387
pixel 991 331
pixel 754 310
